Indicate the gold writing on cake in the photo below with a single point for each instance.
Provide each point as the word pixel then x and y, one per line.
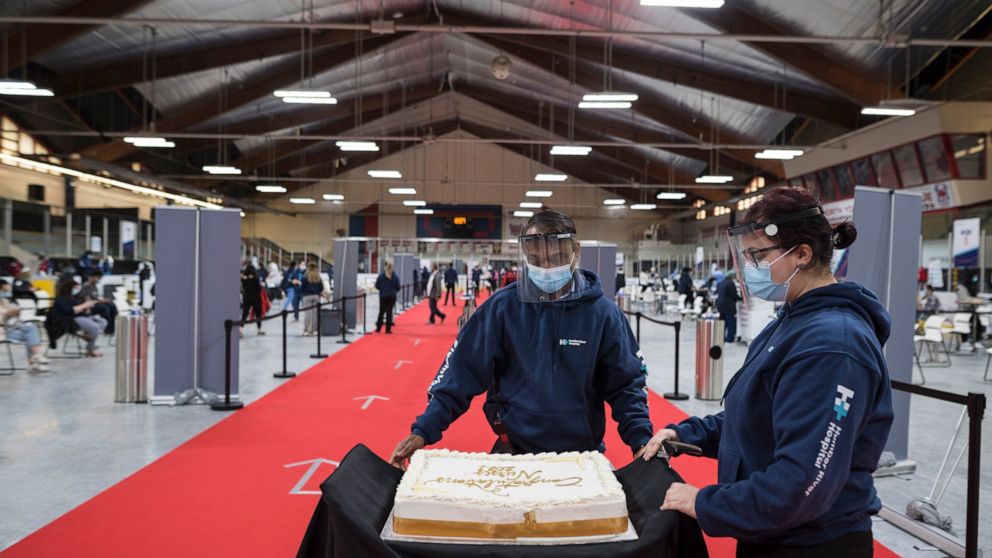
pixel 496 480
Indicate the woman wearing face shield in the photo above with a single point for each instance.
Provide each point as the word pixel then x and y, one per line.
pixel 808 414
pixel 549 349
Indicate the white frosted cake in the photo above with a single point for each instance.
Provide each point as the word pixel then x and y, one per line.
pixel 477 495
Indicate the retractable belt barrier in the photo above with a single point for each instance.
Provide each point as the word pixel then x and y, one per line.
pixel 676 394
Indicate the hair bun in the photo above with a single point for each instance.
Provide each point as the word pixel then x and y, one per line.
pixel 844 235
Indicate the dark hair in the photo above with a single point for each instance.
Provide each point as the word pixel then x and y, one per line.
pixel 3 283
pixel 65 288
pixel 686 270
pixel 550 221
pixel 96 273
pixel 813 230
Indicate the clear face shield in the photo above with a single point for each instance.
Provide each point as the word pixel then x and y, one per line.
pixel 755 248
pixel 547 269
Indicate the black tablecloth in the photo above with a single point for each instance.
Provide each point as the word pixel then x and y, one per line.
pixel 357 498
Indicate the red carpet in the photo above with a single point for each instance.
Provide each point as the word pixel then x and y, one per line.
pixel 237 488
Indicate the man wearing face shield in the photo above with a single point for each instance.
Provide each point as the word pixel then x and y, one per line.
pixel 808 414
pixel 549 349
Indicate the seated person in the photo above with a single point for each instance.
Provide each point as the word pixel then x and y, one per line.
pixel 23 332
pixel 928 305
pixel 22 288
pixel 67 305
pixel 104 308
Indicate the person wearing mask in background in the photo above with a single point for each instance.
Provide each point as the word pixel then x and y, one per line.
pixel 808 415
pixel 23 289
pixel 425 275
pixel 258 268
pixel 251 297
pixel 311 288
pixel 434 294
pixel 620 281
pixel 273 282
pixel 22 332
pixel 44 265
pixel 66 305
pixel 103 308
pixel 85 264
pixel 510 277
pixel 450 280
pixel 388 285
pixel 291 284
pixel 551 350
pixel 686 288
pixel 928 305
pixel 727 298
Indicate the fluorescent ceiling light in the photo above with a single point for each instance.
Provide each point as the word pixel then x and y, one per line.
pixel 302 201
pixel 423 212
pixel 714 179
pixel 887 111
pixel 357 145
pixel 614 201
pixel 26 92
pixel 314 93
pixel 59 171
pixel 270 189
pixel 684 3
pixel 310 100
pixel 221 169
pixel 333 197
pixel 609 97
pixel 16 84
pixel 781 154
pixel 523 213
pixel 604 105
pixel 414 203
pixel 531 205
pixel 570 150
pixel 538 194
pixel 403 191
pixel 148 141
pixel 550 177
pixel 644 206
pixel 670 195
pixel 385 174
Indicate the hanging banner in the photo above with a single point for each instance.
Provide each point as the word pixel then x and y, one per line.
pixel 129 231
pixel 935 273
pixel 935 196
pixel 96 244
pixel 966 241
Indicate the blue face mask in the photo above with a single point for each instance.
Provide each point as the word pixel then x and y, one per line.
pixel 4 294
pixel 759 280
pixel 550 280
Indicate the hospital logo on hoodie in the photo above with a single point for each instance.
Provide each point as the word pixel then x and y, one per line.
pixel 571 342
pixel 842 403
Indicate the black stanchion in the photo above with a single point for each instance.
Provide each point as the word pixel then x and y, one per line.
pixel 344 321
pixel 638 316
pixel 284 373
pixel 227 404
pixel 676 395
pixel 365 313
pixel 976 412
pixel 319 353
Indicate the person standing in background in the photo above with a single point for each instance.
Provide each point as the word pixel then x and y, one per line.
pixel 476 279
pixel 450 280
pixel 310 289
pixel 686 287
pixel 251 296
pixel 434 293
pixel 727 298
pixel 388 285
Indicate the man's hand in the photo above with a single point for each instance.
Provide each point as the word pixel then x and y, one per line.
pixel 681 498
pixel 405 449
pixel 654 445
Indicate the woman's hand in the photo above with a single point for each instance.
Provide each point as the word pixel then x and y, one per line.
pixel 681 498
pixel 654 445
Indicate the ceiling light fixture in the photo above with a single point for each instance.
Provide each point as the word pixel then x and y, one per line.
pixel 423 212
pixel 305 96
pixel 270 189
pixel 333 197
pixel 385 174
pixel 887 111
pixel 538 194
pixel 523 213
pixel 614 201
pixel 580 150
pixel 23 88
pixel 531 205
pixel 221 169
pixel 780 154
pixel 644 206
pixel 604 105
pixel 714 179
pixel 608 96
pixel 414 203
pixel 357 145
pixel 550 177
pixel 684 3
pixel 302 201
pixel 670 195
pixel 403 191
pixel 149 141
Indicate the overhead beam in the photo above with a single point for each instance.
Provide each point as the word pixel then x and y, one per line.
pixel 254 88
pixel 35 40
pixel 844 76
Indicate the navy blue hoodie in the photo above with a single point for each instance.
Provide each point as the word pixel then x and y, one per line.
pixel 557 363
pixel 806 419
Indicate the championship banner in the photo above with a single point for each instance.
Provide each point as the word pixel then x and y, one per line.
pixel 966 242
